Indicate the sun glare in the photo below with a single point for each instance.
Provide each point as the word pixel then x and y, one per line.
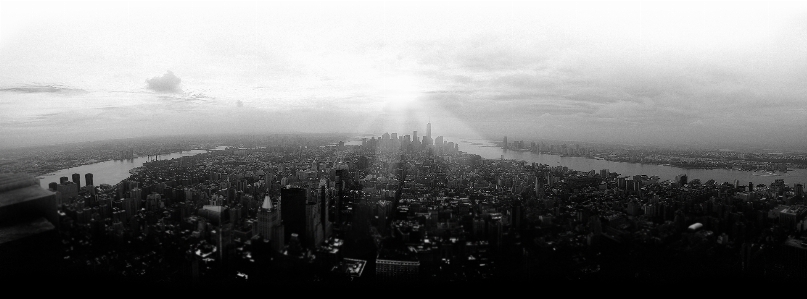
pixel 400 93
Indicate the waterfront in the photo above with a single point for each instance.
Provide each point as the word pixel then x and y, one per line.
pixel 490 150
pixel 109 172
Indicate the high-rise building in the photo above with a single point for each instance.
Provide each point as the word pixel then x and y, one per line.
pixel 314 232
pixel 504 142
pixel 682 179
pixel 494 230
pixel 414 136
pixel 269 224
pixel 429 130
pixel 67 191
pixel 323 200
pixel 88 179
pixel 292 204
pixel 137 196
pixel 63 180
pixel 129 207
pixel 77 179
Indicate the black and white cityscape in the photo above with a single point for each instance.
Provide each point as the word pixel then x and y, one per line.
pixel 403 144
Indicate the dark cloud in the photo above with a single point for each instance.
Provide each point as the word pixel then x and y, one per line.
pixel 43 89
pixel 166 83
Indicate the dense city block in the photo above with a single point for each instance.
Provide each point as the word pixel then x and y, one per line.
pixel 398 210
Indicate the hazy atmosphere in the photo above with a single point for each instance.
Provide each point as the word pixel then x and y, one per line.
pixel 664 73
pixel 454 146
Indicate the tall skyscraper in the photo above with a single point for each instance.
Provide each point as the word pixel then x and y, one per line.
pixel 323 208
pixel 88 179
pixel 504 142
pixel 137 195
pixel 269 225
pixel 292 204
pixel 429 130
pixel 314 232
pixel 414 136
pixel 77 179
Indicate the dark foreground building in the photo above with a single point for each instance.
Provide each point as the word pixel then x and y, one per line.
pixel 29 239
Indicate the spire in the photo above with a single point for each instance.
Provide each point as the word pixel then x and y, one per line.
pixel 267 203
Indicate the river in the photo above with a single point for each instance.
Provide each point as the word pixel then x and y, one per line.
pixel 108 172
pixel 113 171
pixel 489 150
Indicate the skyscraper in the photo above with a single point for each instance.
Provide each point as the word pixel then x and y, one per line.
pixel 429 130
pixel 77 179
pixel 137 196
pixel 88 179
pixel 682 179
pixel 269 225
pixel 292 204
pixel 504 143
pixel 314 232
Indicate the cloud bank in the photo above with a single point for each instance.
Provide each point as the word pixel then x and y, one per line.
pixel 168 83
pixel 55 89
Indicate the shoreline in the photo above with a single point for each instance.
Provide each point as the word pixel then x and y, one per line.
pixel 53 172
pixel 688 167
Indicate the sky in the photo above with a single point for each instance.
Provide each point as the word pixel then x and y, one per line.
pixel 665 73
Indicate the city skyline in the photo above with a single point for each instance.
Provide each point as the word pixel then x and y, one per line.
pixel 314 211
pixel 297 146
pixel 640 73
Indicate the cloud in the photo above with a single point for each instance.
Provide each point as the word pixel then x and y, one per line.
pixel 166 83
pixel 43 89
pixel 186 97
pixel 239 103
